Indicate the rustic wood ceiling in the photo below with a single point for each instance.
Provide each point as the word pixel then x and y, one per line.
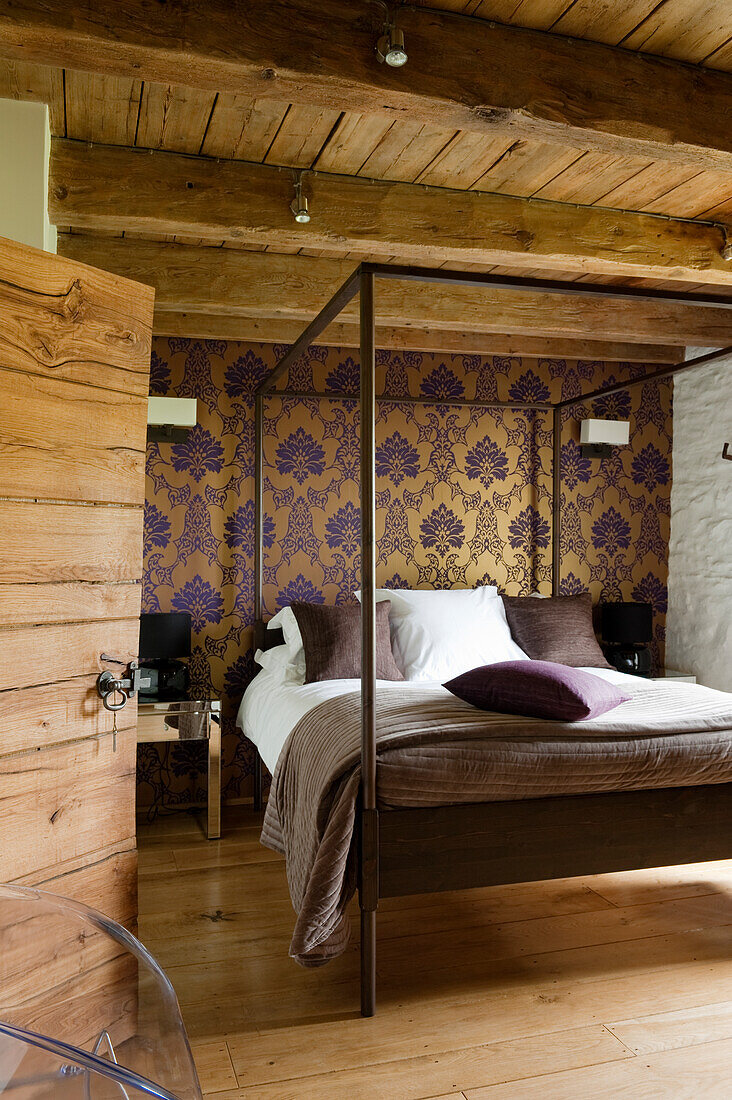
pixel 698 31
pixel 124 111
pixel 120 111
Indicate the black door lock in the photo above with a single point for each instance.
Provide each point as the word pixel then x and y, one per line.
pixel 125 686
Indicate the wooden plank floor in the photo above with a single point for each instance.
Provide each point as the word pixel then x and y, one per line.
pixel 611 986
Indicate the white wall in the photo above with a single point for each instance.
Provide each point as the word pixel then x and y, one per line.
pixel 25 143
pixel 699 623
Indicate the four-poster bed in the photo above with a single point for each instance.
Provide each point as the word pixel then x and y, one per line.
pixel 418 850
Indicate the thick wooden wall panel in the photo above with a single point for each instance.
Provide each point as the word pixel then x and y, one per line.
pixel 68 542
pixel 61 879
pixel 70 442
pixel 47 654
pixel 106 996
pixel 75 349
pixel 114 876
pixel 75 323
pixel 41 944
pixel 66 602
pixel 41 716
pixel 96 982
pixel 64 802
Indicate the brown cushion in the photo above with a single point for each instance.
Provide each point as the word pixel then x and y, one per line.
pixel 331 637
pixel 555 629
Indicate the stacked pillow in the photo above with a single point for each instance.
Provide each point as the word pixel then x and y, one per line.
pixel 557 628
pixel 324 643
pixel 436 635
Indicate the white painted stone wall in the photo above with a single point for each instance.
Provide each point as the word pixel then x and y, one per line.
pixel 699 623
pixel 25 145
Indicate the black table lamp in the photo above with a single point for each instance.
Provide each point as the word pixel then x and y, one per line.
pixel 164 640
pixel 626 629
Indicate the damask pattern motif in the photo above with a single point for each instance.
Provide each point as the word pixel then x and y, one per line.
pixel 396 459
pixel 464 498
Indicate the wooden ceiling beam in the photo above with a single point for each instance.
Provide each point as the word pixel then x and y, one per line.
pixel 462 73
pixel 263 284
pixel 103 188
pixel 219 326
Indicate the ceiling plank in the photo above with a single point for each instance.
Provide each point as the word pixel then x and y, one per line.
pixel 173 118
pixel 675 29
pixel 241 129
pixel 303 133
pixel 352 141
pixel 102 108
pixel 264 284
pixel 217 326
pixel 462 74
pixel 106 187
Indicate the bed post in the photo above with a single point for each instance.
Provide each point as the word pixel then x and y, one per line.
pixel 258 557
pixel 556 496
pixel 369 862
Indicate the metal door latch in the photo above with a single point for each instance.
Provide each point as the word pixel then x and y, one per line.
pixel 125 686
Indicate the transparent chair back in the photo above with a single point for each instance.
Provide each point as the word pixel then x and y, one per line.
pixel 85 1011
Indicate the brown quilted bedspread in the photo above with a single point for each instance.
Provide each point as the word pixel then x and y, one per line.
pixel 434 749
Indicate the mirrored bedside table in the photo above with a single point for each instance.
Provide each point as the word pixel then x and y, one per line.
pixel 674 674
pixel 188 720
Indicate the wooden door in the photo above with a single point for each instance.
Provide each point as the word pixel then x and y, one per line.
pixel 74 366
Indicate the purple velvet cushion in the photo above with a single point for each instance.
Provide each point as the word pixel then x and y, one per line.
pixel 539 689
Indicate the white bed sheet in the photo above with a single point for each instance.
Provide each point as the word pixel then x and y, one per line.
pixel 272 706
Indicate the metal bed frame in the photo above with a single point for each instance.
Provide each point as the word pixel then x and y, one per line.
pixel 455 847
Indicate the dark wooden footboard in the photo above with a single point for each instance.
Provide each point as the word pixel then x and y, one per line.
pixel 489 843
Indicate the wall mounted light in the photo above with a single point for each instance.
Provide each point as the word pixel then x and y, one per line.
pixel 390 46
pixel 299 205
pixel 598 437
pixel 170 419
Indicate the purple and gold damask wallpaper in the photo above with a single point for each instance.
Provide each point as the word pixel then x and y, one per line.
pixel 464 497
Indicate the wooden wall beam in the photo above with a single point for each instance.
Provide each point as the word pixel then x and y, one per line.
pixel 462 74
pixel 219 326
pixel 101 188
pixel 261 284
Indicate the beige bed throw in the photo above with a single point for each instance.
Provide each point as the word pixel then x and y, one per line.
pixel 434 749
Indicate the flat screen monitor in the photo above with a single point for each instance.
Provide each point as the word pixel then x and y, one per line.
pixel 165 636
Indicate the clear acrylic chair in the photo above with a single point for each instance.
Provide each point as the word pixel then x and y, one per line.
pixel 85 1011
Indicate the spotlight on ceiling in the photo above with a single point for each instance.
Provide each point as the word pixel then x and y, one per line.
pixel 390 46
pixel 299 205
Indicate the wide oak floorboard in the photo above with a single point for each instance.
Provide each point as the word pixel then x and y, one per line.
pixel 613 984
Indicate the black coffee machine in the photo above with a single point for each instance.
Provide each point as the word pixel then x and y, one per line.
pixel 164 640
pixel 626 630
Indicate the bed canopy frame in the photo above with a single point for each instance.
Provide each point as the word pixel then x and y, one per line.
pixel 408 851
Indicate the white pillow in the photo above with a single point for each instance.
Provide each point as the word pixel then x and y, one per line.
pixel 440 634
pixel 286 621
pixel 278 662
